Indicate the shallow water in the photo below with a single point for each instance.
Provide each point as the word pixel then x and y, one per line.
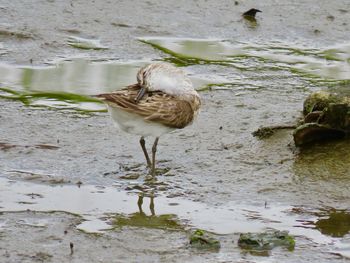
pixel 331 63
pixel 257 65
pixel 67 84
pixel 105 208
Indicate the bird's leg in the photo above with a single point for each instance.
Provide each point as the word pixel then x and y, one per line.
pixel 154 150
pixel 143 146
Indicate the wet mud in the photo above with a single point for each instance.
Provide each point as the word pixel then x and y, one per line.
pixel 73 188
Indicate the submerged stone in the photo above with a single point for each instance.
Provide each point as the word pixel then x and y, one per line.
pixel 266 240
pixel 326 116
pixel 204 240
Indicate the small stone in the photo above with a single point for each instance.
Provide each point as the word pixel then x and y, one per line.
pixel 330 18
pixel 203 240
pixel 266 240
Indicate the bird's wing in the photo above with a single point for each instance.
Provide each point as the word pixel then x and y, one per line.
pixel 154 106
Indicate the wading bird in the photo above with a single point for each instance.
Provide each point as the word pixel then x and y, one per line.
pixel 162 100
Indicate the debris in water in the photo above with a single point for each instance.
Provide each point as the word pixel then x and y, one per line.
pixel 251 13
pixel 71 245
pixel 41 257
pixel 16 34
pixel 130 176
pixel 330 18
pixel 266 132
pixel 46 146
pixel 6 146
pixel 120 24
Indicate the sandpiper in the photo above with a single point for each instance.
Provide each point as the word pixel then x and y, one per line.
pixel 162 100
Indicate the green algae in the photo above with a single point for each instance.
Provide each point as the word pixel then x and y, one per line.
pixel 69 84
pixel 335 223
pixel 66 84
pixel 318 101
pixel 85 43
pixel 330 63
pixel 197 53
pixel 63 100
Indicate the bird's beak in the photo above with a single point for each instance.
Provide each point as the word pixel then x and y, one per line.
pixel 140 94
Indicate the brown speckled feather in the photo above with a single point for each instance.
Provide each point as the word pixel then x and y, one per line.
pixel 155 106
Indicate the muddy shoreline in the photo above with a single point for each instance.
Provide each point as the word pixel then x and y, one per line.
pixel 215 165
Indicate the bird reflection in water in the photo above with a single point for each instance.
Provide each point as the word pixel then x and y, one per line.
pixel 151 205
pixel 141 219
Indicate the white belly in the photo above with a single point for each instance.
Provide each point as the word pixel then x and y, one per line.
pixel 134 124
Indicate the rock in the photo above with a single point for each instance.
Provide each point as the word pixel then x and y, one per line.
pixel 266 240
pixel 320 100
pixel 326 116
pixel 311 132
pixel 204 240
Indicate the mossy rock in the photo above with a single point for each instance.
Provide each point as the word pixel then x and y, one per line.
pixel 266 240
pixel 320 100
pixel 203 240
pixel 326 116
